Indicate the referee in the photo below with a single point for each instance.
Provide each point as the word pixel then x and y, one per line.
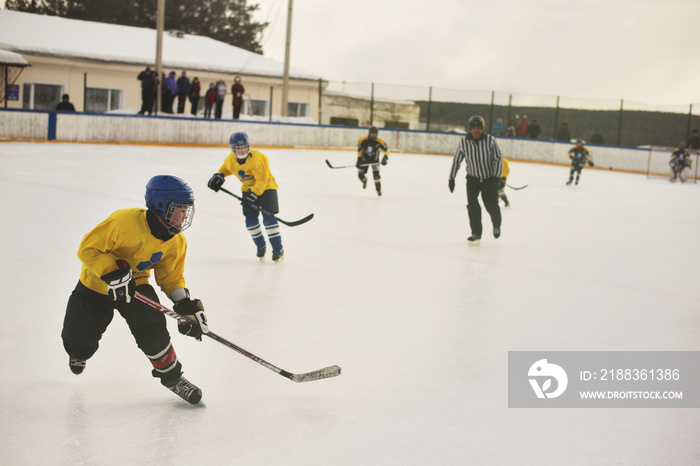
pixel 484 163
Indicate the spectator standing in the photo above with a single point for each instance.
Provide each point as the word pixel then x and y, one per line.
pixel 694 141
pixel 183 89
pixel 195 90
pixel 534 130
pixel 169 92
pixel 498 129
pixel 564 134
pixel 64 105
pixel 237 90
pixel 149 85
pixel 597 138
pixel 521 129
pixel 510 130
pixel 209 100
pixel 220 96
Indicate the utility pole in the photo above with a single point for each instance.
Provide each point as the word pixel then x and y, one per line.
pixel 287 46
pixel 160 22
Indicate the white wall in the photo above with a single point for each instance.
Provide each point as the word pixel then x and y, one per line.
pixel 74 127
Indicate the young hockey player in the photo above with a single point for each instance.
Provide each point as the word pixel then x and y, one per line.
pixel 502 183
pixel 579 156
pixel 483 163
pixel 680 160
pixel 259 188
pixel 368 154
pixel 118 256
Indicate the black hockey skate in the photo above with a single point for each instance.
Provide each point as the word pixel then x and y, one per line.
pixel 364 183
pixel 496 232
pixel 261 254
pixel 186 390
pixel 77 366
pixel 277 256
pixel 474 240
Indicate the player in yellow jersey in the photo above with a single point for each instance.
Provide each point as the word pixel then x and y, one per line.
pixel 368 149
pixel 117 258
pixel 259 189
pixel 505 171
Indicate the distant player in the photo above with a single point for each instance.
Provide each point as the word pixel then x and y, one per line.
pixel 259 189
pixel 502 183
pixel 118 256
pixel 368 154
pixel 680 160
pixel 579 156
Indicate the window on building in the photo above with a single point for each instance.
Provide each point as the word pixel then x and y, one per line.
pixel 297 109
pixel 101 100
pixel 258 107
pixel 38 96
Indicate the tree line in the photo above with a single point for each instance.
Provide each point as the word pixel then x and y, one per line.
pixel 228 21
pixel 635 128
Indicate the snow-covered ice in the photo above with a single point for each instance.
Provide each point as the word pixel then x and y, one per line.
pixel 387 288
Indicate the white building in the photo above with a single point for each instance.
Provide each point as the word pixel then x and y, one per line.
pixel 97 64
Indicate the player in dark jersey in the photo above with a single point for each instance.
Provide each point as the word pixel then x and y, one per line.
pixel 680 160
pixel 368 155
pixel 579 156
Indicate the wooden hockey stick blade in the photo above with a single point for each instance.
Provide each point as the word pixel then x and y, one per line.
pixel 522 187
pixel 325 373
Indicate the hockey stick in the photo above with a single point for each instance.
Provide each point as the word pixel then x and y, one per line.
pixel 351 166
pixel 289 224
pixel 517 189
pixel 326 372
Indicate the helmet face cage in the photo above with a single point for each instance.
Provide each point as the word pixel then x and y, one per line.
pixel 179 217
pixel 173 200
pixel 239 145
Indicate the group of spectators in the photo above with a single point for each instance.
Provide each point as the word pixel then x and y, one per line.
pixel 183 89
pixel 532 129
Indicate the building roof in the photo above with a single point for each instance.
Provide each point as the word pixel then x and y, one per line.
pixel 53 36
pixel 12 59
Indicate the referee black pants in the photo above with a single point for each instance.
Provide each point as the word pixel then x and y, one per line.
pixel 488 188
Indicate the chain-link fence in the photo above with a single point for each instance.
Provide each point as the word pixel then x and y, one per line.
pixel 618 122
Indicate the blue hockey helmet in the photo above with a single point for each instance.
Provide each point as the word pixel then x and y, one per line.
pixel 239 145
pixel 172 200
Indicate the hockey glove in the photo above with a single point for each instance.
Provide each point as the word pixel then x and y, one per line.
pixel 193 311
pixel 216 181
pixel 590 163
pixel 502 183
pixel 359 162
pixel 120 283
pixel 451 185
pixel 249 199
pixel 385 159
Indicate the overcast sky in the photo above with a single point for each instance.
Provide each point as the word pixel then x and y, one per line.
pixel 645 51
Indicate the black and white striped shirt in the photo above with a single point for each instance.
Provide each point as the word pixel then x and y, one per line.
pixel 483 157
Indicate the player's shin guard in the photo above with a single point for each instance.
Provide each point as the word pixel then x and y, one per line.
pixel 272 227
pixel 166 367
pixel 253 226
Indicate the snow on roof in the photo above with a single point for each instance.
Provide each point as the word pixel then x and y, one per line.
pixel 87 40
pixel 11 58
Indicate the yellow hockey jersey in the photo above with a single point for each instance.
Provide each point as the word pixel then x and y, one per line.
pixel 126 235
pixel 254 173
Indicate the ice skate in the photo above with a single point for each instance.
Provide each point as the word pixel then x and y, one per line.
pixel 569 182
pixel 261 254
pixel 278 256
pixel 474 240
pixel 186 390
pixel 496 232
pixel 77 366
pixel 364 183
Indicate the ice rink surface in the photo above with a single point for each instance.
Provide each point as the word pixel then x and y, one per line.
pixel 387 288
